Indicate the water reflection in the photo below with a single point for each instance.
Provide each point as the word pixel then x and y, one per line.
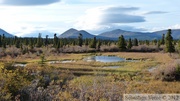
pixel 104 59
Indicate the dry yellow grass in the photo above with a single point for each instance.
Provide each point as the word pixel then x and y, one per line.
pixel 154 87
pixel 158 57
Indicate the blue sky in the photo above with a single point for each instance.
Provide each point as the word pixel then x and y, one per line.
pixel 30 17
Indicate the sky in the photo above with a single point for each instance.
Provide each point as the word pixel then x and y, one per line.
pixel 27 18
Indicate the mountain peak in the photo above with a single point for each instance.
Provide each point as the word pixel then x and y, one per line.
pixel 72 29
pixel 73 33
pixel 5 33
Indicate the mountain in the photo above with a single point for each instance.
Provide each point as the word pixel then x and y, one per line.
pixel 114 34
pixel 175 33
pixel 5 33
pixel 73 33
pixel 68 33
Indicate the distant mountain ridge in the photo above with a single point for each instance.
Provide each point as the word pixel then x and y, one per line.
pixel 6 34
pixel 73 33
pixel 175 33
pixel 114 34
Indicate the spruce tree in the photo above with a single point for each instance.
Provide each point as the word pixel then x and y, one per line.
pixel 4 41
pixel 93 43
pixel 17 44
pixel 86 42
pixel 58 45
pixel 39 41
pixel 169 42
pixel 55 41
pixel 0 41
pixel 46 41
pixel 135 42
pixel 162 40
pixel 122 43
pixel 80 40
pixel 61 43
pixel 31 44
pixel 155 42
pixel 147 42
pixel 129 44
pixel 99 44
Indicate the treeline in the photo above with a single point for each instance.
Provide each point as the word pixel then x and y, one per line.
pixel 166 40
pixel 26 44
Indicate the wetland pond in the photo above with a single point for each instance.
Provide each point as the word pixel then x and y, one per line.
pixel 106 59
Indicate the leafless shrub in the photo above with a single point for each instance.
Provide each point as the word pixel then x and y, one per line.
pixel 12 51
pixel 145 48
pixel 112 48
pixel 168 72
pixel 76 49
pixel 97 89
pixel 2 52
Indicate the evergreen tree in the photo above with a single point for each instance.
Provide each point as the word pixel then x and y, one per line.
pixel 122 43
pixel 3 37
pixel 159 43
pixel 80 40
pixel 86 42
pixel 74 43
pixel 26 41
pixel 99 44
pixel 4 41
pixel 129 44
pixel 155 42
pixel 46 41
pixel 31 44
pixel 135 42
pixel 55 41
pixel 0 41
pixel 39 41
pixel 61 43
pixel 15 39
pixel 58 45
pixel 93 43
pixel 147 42
pixel 162 40
pixel 169 42
pixel 179 45
pixel 17 44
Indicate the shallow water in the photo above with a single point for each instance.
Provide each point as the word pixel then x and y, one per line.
pixel 19 65
pixel 104 59
pixel 112 67
pixel 67 61
pixel 151 69
pixel 64 61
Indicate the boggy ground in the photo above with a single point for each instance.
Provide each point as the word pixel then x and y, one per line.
pixel 68 77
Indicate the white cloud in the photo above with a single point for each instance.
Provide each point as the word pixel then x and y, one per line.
pixel 90 20
pixel 177 26
pixel 27 2
pixel 106 17
pixel 87 15
pixel 155 12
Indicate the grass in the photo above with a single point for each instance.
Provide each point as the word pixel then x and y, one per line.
pixel 144 61
pixel 91 79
